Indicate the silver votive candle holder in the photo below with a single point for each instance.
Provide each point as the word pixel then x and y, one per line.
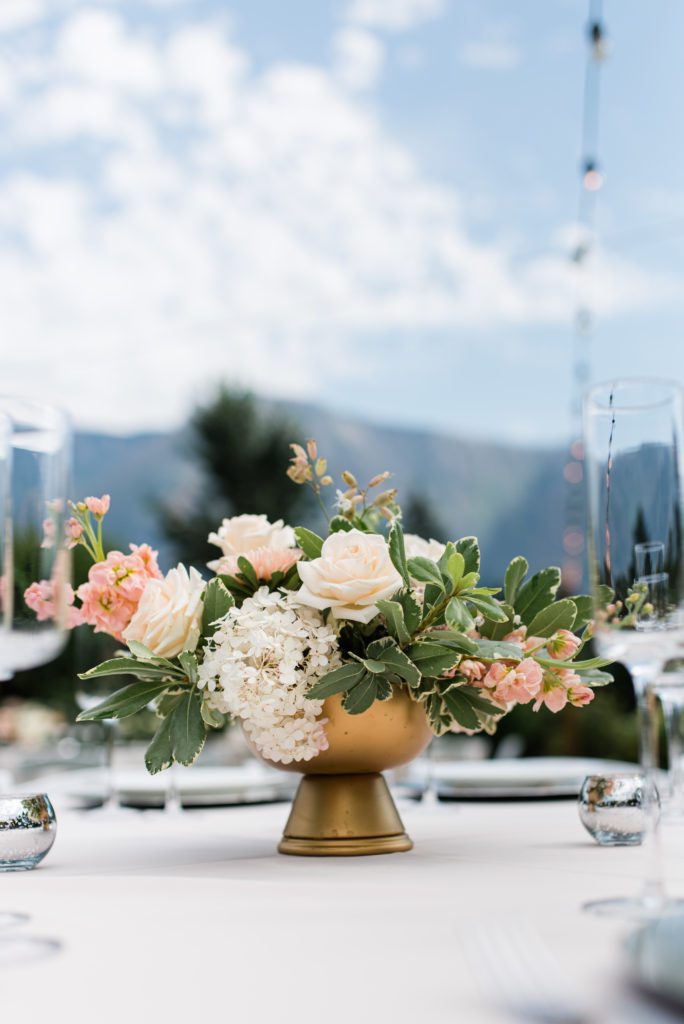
pixel 28 828
pixel 613 808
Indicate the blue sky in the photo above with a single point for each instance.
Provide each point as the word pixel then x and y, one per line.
pixel 364 203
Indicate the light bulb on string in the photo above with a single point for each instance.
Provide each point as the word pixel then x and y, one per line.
pixel 593 177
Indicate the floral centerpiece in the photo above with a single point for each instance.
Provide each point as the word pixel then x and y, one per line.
pixel 295 627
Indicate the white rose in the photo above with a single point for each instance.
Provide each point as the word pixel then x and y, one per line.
pixel 168 616
pixel 242 534
pixel 418 547
pixel 354 572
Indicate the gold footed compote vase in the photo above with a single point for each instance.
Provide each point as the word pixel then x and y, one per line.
pixel 343 807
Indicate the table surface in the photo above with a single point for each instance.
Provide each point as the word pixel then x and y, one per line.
pixel 177 917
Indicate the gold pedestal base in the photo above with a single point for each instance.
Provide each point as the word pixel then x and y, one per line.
pixel 343 816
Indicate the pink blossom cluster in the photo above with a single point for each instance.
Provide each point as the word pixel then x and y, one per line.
pixel 111 596
pixel 509 682
pixel 40 599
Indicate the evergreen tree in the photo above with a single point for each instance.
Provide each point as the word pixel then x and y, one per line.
pixel 419 517
pixel 242 453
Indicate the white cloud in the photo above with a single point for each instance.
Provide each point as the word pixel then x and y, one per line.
pixel 490 55
pixel 193 219
pixel 358 58
pixel 16 14
pixel 394 15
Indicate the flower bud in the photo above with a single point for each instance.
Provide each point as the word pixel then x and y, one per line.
pixel 380 478
pixel 349 479
pixel 312 449
pixel 386 497
pixel 326 481
pixel 321 466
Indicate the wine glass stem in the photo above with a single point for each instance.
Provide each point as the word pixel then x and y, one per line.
pixel 653 892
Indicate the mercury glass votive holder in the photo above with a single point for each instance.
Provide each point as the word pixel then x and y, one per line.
pixel 28 828
pixel 613 810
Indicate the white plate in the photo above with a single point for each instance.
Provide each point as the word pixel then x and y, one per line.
pixel 198 787
pixel 521 778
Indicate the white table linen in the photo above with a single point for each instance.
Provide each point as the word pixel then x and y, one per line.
pixel 194 916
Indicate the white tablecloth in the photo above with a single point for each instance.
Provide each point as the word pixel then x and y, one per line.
pixel 194 916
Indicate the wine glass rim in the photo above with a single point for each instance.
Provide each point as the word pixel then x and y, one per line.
pixel 609 387
pixel 45 415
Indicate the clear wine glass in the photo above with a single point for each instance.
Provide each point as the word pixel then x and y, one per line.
pixel 34 477
pixel 634 444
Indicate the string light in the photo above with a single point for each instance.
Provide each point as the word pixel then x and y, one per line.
pixel 592 179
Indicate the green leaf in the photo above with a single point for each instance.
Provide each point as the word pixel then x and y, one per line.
pixel 338 524
pixel 394 659
pixel 456 567
pixel 373 666
pixel 398 552
pixel 188 730
pixel 340 679
pixel 458 616
pixel 124 702
pixel 585 610
pixel 460 708
pixel 247 570
pixel 488 606
pixel 189 663
pixel 130 667
pixel 593 677
pixel 139 650
pixel 425 571
pixel 480 704
pixel 515 574
pixel 159 754
pixel 498 630
pixel 394 616
pixel 537 593
pixel 470 549
pixel 560 615
pixel 432 659
pixel 385 690
pixel 309 542
pixel 213 718
pixel 412 609
pixel 498 650
pixel 451 638
pixel 217 601
pixel 360 698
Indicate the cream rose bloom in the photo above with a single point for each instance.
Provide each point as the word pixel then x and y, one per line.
pixel 418 547
pixel 168 616
pixel 243 534
pixel 354 572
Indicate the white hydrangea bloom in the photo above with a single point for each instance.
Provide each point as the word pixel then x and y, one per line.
pixel 258 668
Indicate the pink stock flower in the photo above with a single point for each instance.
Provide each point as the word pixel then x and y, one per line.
pixel 40 599
pixel 533 643
pixel 520 683
pixel 474 671
pixel 554 698
pixel 111 596
pixel 580 696
pixel 563 645
pixel 98 506
pixel 48 533
pixel 516 636
pixel 73 532
pixel 265 561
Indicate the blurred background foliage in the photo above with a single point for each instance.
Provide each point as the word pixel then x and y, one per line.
pixel 242 453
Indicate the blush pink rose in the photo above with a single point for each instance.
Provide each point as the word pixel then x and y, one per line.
pixel 563 645
pixel 265 561
pixel 519 683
